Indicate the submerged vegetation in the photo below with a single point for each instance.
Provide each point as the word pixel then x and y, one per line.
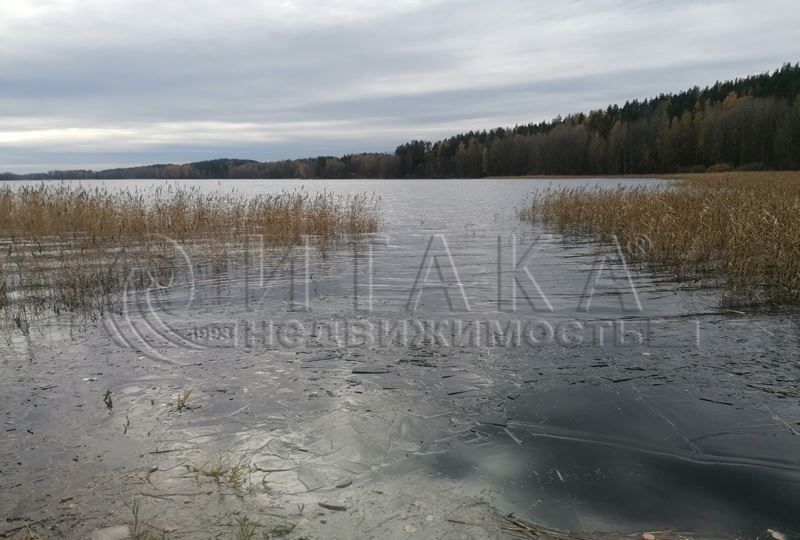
pixel 65 247
pixel 742 227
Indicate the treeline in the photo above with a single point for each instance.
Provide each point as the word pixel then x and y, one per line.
pixel 749 123
pixel 350 166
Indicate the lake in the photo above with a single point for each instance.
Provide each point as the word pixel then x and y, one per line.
pixel 459 365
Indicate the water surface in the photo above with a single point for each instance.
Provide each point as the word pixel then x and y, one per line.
pixel 458 348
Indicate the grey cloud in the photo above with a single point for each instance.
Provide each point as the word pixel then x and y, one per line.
pixel 141 81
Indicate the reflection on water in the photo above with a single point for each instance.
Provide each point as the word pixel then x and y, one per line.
pixel 592 458
pixel 459 343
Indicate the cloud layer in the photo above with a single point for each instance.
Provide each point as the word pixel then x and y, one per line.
pixel 98 83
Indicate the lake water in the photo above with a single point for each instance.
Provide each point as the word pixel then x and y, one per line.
pixel 458 359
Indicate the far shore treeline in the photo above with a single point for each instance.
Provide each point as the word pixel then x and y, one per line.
pixel 746 124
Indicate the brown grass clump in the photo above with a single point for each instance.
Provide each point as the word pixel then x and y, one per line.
pixel 233 472
pixel 70 247
pixel 182 399
pixel 744 227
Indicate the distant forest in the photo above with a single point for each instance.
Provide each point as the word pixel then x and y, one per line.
pixel 746 124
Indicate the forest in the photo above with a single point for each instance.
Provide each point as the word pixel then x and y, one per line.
pixel 751 123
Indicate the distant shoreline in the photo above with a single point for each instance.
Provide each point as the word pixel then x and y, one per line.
pixel 716 176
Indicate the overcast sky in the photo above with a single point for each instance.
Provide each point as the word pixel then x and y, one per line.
pixel 102 83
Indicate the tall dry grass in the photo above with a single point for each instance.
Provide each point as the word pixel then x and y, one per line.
pixel 65 247
pixel 102 216
pixel 743 227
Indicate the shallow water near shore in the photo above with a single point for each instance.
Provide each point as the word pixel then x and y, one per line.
pixel 459 365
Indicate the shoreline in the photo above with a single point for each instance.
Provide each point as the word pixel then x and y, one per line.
pixel 794 175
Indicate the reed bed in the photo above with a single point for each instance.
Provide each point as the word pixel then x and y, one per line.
pixel 741 227
pixel 67 247
pixel 102 216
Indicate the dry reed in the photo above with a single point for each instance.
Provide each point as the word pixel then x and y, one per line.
pixel 742 227
pixel 65 247
pixel 102 216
